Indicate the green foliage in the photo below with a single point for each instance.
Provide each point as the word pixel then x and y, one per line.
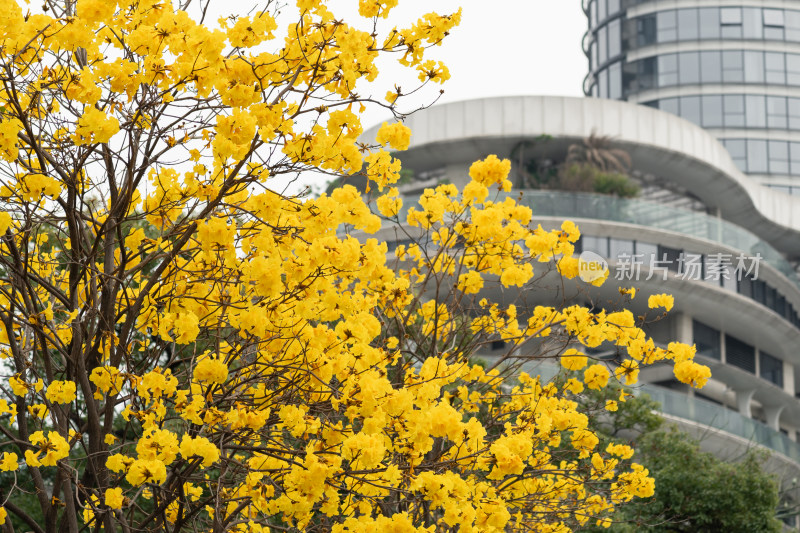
pixel 695 491
pixel 583 177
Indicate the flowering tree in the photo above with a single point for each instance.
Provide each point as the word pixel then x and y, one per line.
pixel 187 348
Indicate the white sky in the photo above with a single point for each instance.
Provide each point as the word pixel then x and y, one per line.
pixel 502 47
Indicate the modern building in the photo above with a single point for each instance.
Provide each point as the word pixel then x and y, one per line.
pixel 698 215
pixel 732 67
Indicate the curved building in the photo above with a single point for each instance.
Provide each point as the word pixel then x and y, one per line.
pixel 732 67
pixel 693 232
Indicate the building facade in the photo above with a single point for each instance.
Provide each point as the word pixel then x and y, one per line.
pixel 731 67
pixel 693 232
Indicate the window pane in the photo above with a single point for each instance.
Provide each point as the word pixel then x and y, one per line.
pixel 670 105
pixel 740 354
pixel 732 66
pixel 792 20
pixel 666 23
pixel 794 113
pixel 752 26
pixel 602 82
pixel 773 17
pixel 776 112
pixel 614 39
pixel 646 30
pixel 615 81
pixel 711 67
pixel 707 340
pixel 712 111
pixel 754 67
pixel 709 23
pixel 779 157
pixel 730 15
pixel 690 109
pixel 601 9
pixel 756 111
pixel 688 28
pixel 793 69
pixel 738 150
pixel 771 368
pixel 775 67
pixel 613 7
pixel 734 110
pixel 602 42
pixel 794 157
pixel 757 156
pixel 667 70
pixel 689 67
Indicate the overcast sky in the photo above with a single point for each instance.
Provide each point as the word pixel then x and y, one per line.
pixel 502 47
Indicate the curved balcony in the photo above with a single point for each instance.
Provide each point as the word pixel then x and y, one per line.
pixel 653 215
pixel 715 416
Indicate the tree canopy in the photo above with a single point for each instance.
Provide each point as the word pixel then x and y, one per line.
pixel 187 348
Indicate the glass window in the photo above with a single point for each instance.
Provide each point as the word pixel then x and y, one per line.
pixel 613 7
pixel 792 25
pixel 740 354
pixel 732 66
pixel 648 251
pixel 709 23
pixel 775 68
pixel 770 368
pixel 667 70
pixel 793 106
pixel 711 67
pixel 778 157
pixel 707 340
pixel 757 160
pixel 602 83
pixel 645 76
pixel 730 15
pixel 593 55
pixel 773 17
pixel 602 42
pixel 593 14
pixel 688 25
pixel 756 111
pixel 752 26
pixel 614 39
pixel 776 112
pixel 602 12
pixel 670 105
pixel 794 157
pixel 754 67
pixel 731 22
pixel 617 247
pixel 646 30
pixel 793 69
pixel 666 26
pixel 689 67
pixel 598 245
pixel 738 150
pixel 733 106
pixel 615 81
pixel 690 109
pixel 712 111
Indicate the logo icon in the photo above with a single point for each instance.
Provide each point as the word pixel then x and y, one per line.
pixel 591 267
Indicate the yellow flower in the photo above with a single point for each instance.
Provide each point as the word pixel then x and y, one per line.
pixel 61 391
pixel 491 171
pixel 211 370
pixel 114 498
pixel 146 471
pixel 596 377
pixel 396 135
pixel 661 300
pixel 573 359
pixel 9 462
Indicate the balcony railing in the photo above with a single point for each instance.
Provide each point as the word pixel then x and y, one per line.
pixel 718 417
pixel 654 215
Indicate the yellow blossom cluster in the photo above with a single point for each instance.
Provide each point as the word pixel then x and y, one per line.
pixel 189 346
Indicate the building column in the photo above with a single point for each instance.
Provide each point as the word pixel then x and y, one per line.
pixel 683 329
pixel 773 414
pixel 744 401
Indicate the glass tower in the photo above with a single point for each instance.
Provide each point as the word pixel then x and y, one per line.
pixel 732 69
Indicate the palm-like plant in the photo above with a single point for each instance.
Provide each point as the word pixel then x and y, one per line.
pixel 597 151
